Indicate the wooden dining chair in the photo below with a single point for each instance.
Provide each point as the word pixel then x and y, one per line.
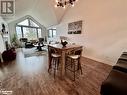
pixel 55 60
pixel 73 63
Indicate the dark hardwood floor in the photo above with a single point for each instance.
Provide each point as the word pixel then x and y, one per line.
pixel 29 76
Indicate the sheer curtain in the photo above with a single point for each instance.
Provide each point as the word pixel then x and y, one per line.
pixel 2 45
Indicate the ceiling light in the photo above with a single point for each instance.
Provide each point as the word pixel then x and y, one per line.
pixel 56 1
pixel 64 3
pixel 55 6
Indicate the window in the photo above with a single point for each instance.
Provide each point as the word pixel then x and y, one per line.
pixel 51 33
pixel 19 32
pixel 28 29
pixel 30 33
pixel 25 22
pixel 39 33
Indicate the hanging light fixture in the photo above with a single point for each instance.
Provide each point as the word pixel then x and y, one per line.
pixel 64 3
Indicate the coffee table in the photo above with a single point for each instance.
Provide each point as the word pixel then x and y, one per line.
pixel 39 46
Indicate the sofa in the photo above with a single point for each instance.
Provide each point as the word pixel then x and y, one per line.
pixel 25 43
pixel 116 82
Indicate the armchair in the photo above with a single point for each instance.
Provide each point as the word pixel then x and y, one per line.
pixel 23 41
pixel 41 41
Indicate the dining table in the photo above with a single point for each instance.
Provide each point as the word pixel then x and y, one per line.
pixel 63 51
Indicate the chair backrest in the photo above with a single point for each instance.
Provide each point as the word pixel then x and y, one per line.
pixel 52 51
pixel 41 40
pixel 70 52
pixel 78 51
pixel 23 39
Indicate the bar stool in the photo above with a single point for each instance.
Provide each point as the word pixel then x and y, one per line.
pixel 73 62
pixel 55 59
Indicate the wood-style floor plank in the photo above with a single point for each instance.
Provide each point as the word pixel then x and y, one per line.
pixel 29 76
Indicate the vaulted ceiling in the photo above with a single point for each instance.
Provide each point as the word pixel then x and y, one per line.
pixel 41 10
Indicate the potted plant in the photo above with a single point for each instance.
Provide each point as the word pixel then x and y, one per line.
pixel 14 41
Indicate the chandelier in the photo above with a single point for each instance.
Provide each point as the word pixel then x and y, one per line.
pixel 64 3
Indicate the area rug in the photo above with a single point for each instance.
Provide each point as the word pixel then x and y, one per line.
pixel 33 52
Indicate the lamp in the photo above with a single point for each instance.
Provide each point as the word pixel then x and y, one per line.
pixel 63 3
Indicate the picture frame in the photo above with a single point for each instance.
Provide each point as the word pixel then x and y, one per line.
pixel 75 27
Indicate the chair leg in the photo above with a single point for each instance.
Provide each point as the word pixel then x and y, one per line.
pixel 71 63
pixel 58 63
pixel 81 68
pixel 50 65
pixel 55 67
pixel 66 63
pixel 54 73
pixel 79 65
pixel 66 67
pixel 74 70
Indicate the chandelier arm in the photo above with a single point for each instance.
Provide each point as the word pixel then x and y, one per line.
pixel 63 3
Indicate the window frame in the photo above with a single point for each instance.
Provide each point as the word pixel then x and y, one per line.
pixel 52 30
pixel 29 26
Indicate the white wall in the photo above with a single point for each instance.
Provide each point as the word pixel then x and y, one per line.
pixel 2 45
pixel 104 33
pixel 42 10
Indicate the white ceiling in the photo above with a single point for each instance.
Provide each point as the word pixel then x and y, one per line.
pixel 42 10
